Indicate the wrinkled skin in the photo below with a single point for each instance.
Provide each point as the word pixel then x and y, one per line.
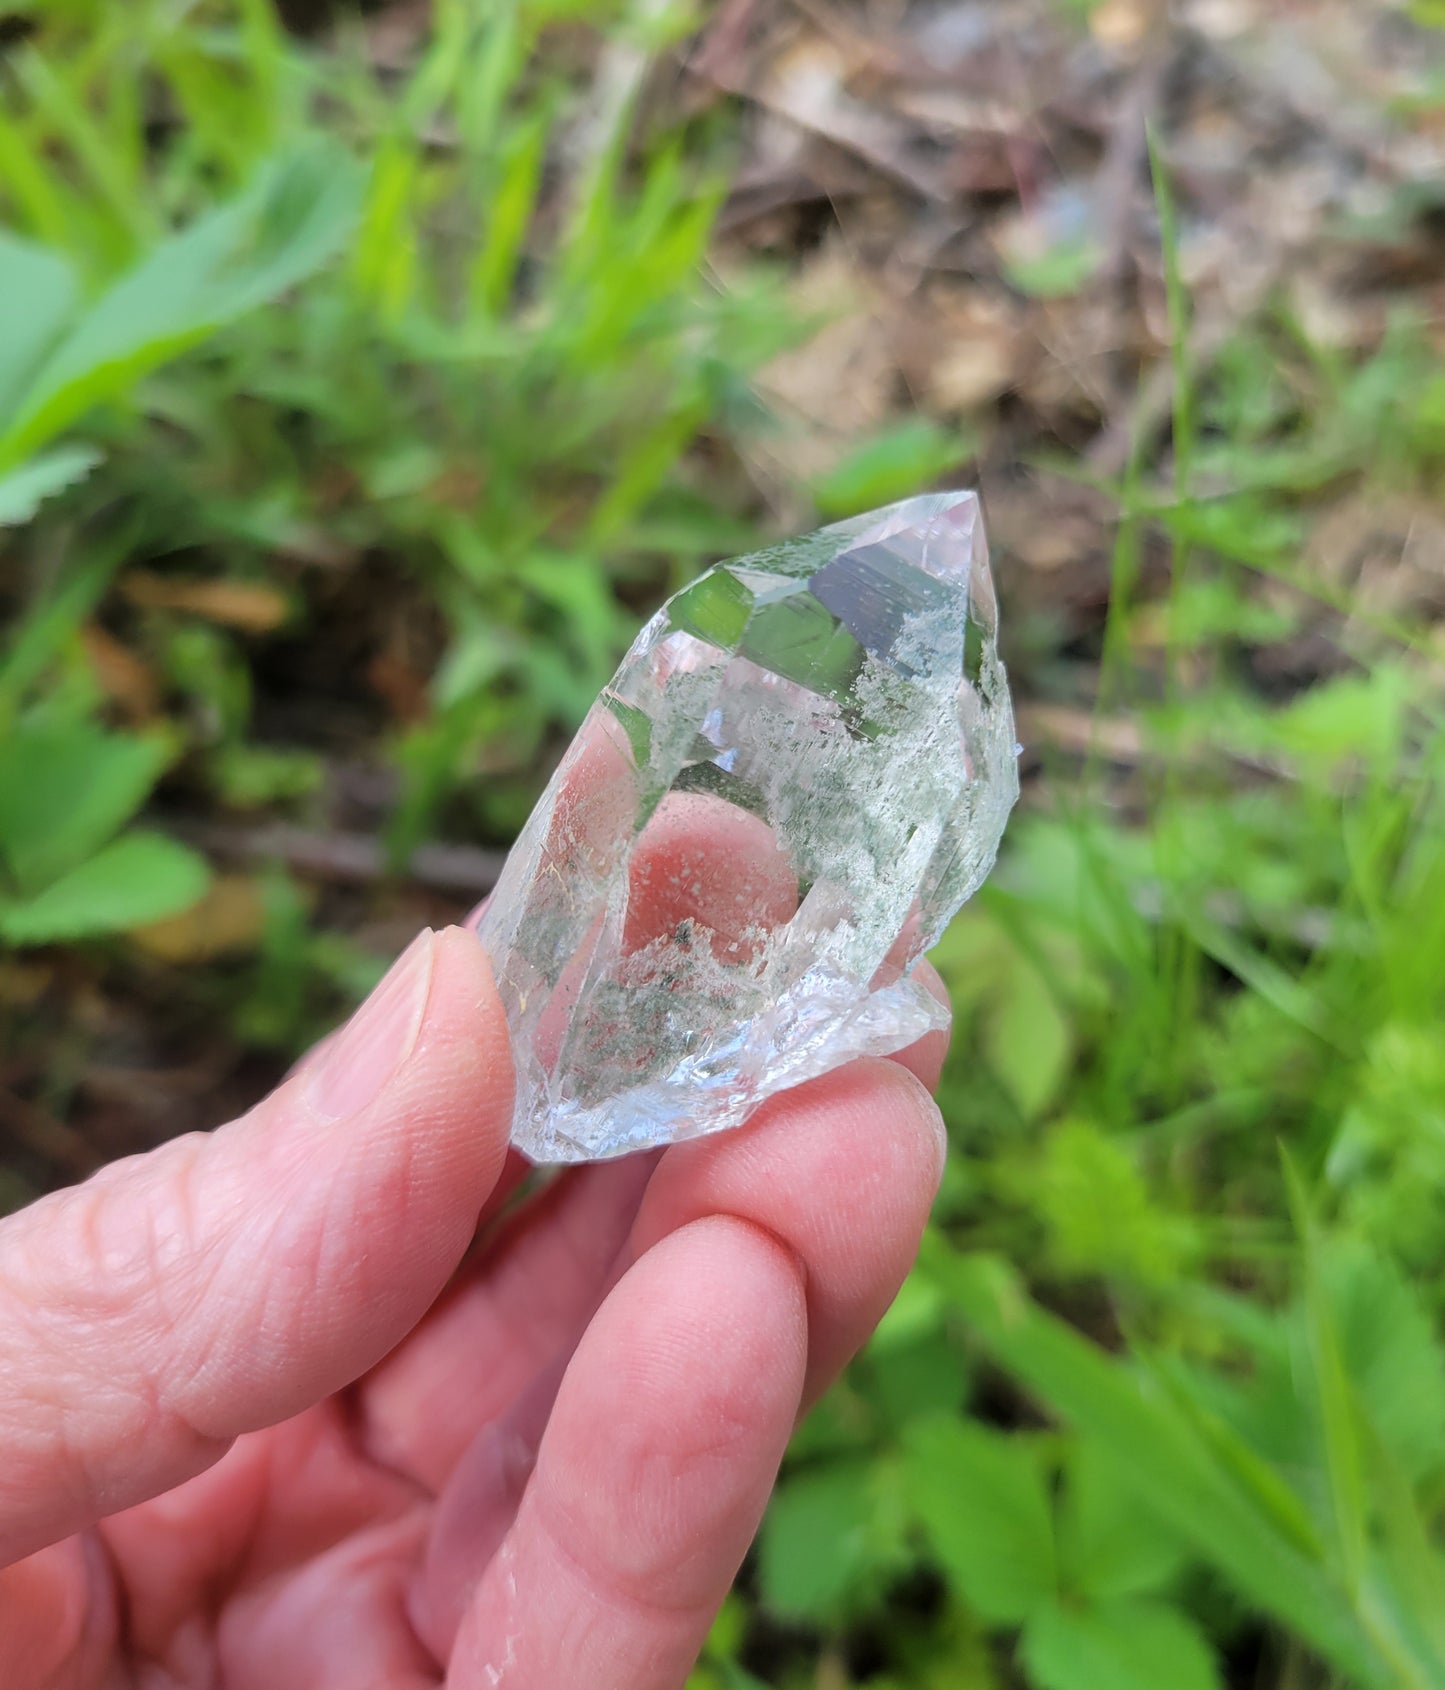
pixel 274 1414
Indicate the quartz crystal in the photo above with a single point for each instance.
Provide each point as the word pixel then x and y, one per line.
pixel 800 771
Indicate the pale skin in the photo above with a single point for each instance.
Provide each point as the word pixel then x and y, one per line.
pixel 273 1415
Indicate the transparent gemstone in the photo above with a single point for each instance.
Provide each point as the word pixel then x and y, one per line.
pixel 800 771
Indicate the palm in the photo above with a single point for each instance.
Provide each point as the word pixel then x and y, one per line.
pixel 319 1552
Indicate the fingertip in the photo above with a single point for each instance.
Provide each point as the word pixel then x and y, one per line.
pixel 436 1138
pixel 720 1302
pixel 934 984
pixel 918 1126
pixel 843 1170
pixel 435 1132
pixel 465 1017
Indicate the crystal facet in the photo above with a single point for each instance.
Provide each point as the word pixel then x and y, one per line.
pixel 800 771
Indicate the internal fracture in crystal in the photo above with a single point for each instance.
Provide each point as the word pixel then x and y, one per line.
pixel 800 771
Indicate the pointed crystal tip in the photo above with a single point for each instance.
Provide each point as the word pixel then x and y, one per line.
pixel 800 771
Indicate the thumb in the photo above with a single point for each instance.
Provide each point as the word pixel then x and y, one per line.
pixel 228 1280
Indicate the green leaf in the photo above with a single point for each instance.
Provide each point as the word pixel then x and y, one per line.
pixel 981 1498
pixel 141 877
pixel 291 220
pixel 815 1540
pixel 1108 1546
pixel 39 290
pixel 1173 1469
pixel 1335 1397
pixel 1098 1210
pixel 65 789
pixel 1117 1646
pixel 1349 716
pixel 24 490
pixel 902 460
pixel 909 1379
pixel 1390 1351
pixel 1026 1039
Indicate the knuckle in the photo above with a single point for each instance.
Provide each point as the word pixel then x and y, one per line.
pixel 91 1300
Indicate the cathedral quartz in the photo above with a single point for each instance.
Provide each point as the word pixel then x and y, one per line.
pixel 800 771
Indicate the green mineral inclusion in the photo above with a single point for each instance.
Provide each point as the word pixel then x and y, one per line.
pixel 789 633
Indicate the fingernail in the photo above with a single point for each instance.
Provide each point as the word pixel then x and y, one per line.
pixel 361 1059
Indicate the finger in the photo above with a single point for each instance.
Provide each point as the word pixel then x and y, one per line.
pixel 514 1308
pixel 275 1501
pixel 843 1170
pixel 521 1301
pixel 476 1510
pixel 653 1473
pixel 506 1318
pixel 704 861
pixel 58 1618
pixel 226 1281
pixel 337 1621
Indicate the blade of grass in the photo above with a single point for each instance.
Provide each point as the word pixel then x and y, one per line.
pixel 49 624
pixel 102 161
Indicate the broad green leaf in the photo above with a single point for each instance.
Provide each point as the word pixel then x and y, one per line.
pixel 38 293
pixel 1390 1351
pixel 24 490
pixel 982 1500
pixel 1098 1211
pixel 1359 716
pixel 286 225
pixel 1204 1407
pixel 141 877
pixel 1172 1468
pixel 1409 1571
pixel 1026 1038
pixel 65 789
pixel 1108 1546
pixel 899 461
pixel 919 1376
pixel 1135 1645
pixel 815 1540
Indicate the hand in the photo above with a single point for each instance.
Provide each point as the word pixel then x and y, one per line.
pixel 266 1420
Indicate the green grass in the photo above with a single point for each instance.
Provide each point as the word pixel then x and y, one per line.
pixel 1164 1402
pixel 1197 1097
pixel 481 403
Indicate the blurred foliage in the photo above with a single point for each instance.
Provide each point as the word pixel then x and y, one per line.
pixel 1163 1404
pixel 484 402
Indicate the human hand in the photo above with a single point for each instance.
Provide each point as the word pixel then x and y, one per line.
pixel 267 1421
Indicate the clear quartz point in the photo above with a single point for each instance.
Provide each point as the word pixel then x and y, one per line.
pixel 800 771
